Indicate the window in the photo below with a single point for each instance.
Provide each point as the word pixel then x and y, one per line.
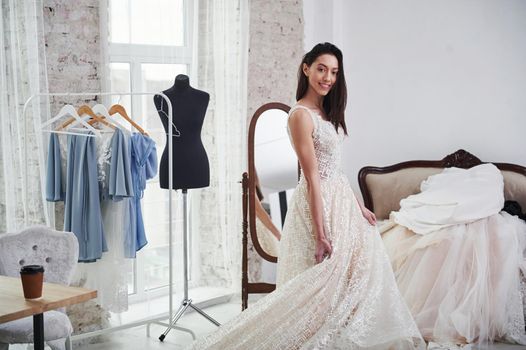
pixel 149 43
pixel 147 22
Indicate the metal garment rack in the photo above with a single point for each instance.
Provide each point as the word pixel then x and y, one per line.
pixel 145 321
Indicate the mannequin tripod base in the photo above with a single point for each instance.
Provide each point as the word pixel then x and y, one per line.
pixel 185 304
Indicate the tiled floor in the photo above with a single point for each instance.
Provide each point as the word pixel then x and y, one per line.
pixel 136 338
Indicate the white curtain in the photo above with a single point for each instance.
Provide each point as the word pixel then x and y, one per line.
pixel 22 73
pixel 222 63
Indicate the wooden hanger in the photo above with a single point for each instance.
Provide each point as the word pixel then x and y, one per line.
pixel 85 109
pixel 122 112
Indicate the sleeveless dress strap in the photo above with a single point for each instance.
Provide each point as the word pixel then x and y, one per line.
pixel 313 116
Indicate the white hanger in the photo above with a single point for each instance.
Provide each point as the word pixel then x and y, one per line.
pixel 103 111
pixel 176 132
pixel 69 110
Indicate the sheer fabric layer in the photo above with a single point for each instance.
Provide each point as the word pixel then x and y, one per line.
pixel 463 283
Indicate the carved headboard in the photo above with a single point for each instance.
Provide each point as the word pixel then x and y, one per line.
pixel 383 187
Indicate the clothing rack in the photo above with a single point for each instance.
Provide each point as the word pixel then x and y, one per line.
pixel 145 321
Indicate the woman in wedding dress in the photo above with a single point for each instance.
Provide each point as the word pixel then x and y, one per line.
pixel 336 288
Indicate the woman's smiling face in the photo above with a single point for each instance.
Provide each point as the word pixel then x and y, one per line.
pixel 322 73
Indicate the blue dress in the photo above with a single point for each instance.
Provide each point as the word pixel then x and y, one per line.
pixel 120 184
pixel 82 214
pixel 144 167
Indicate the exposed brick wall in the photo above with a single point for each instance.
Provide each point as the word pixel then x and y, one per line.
pixel 72 36
pixel 275 51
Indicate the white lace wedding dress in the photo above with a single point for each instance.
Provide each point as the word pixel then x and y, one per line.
pixel 350 301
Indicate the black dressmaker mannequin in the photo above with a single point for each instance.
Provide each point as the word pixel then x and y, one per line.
pixel 190 162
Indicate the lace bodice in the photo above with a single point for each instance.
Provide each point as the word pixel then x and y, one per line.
pixel 327 143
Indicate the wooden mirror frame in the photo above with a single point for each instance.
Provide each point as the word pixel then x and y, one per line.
pixel 252 177
pixel 249 208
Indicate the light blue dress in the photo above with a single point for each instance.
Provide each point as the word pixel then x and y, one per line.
pixel 82 214
pixel 120 184
pixel 144 167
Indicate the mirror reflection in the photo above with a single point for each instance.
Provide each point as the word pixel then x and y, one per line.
pixel 276 177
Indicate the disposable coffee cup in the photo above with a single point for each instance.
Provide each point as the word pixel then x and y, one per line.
pixel 32 278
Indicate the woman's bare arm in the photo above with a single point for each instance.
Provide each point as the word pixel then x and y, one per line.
pixel 301 129
pixel 266 220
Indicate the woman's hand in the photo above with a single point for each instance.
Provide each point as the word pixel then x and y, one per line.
pixel 369 215
pixel 323 249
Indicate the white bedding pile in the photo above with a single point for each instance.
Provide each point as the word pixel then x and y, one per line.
pixel 455 196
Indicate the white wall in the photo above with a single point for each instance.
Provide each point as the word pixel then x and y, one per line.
pixel 426 78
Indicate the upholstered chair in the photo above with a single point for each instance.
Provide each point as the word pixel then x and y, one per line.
pixel 58 253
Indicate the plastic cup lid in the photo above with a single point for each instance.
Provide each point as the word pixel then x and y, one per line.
pixel 32 269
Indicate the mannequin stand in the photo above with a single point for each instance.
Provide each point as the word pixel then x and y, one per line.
pixel 186 301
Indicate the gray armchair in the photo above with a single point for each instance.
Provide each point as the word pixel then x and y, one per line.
pixel 58 253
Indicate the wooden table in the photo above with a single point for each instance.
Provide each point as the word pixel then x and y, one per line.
pixel 14 306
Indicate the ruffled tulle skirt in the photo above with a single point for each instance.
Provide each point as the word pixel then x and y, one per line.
pixel 463 283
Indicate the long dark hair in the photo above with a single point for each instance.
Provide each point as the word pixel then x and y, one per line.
pixel 336 100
